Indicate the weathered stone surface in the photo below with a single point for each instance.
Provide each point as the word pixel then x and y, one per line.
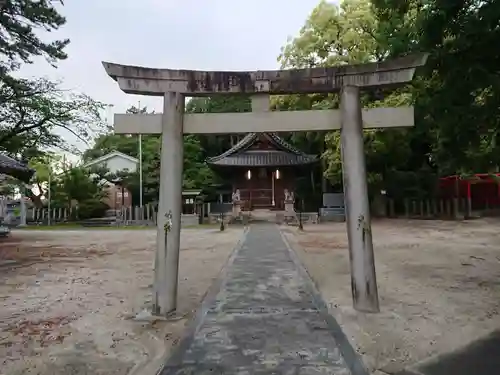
pixel 149 81
pixel 264 319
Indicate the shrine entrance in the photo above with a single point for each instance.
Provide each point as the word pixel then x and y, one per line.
pixel 261 167
pixel 175 85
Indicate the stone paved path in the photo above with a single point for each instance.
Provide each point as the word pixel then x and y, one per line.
pixel 265 319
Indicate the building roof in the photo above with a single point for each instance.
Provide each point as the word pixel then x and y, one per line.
pixel 15 168
pixel 242 155
pixel 109 156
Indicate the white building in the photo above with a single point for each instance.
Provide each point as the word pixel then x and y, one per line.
pixel 115 162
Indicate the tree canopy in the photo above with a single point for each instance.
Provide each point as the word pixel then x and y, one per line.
pixel 37 115
pixel 19 41
pixel 455 98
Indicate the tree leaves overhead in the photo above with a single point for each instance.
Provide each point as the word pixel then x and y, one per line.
pixel 334 35
pixel 460 100
pixel 197 174
pixel 36 114
pixel 19 42
pixel 350 33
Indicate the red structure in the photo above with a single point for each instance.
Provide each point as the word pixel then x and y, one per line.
pixel 483 189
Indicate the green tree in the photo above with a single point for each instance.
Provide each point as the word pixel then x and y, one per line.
pixel 81 188
pixel 459 100
pixel 334 35
pixel 212 145
pixel 345 34
pixel 19 40
pixel 196 173
pixel 35 115
pixel 45 166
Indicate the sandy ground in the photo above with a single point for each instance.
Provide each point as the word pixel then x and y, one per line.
pixel 67 298
pixel 439 286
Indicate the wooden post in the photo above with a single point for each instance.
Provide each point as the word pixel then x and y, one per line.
pixel 428 208
pixel 407 207
pixel 456 208
pixel 468 202
pixel 392 211
pixel 468 208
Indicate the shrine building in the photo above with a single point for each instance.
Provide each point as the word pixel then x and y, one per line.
pixel 262 166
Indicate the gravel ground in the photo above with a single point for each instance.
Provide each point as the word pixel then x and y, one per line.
pixel 439 286
pixel 67 298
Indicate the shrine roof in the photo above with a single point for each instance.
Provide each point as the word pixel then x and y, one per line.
pixel 282 153
pixel 14 168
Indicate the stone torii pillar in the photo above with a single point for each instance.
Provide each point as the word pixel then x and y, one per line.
pixel 174 85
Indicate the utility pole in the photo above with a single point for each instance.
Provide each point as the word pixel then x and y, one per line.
pixel 22 205
pixel 140 165
pixel 49 196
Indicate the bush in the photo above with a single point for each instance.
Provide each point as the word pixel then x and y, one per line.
pixel 90 210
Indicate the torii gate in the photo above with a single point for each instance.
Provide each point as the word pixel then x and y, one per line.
pixel 174 85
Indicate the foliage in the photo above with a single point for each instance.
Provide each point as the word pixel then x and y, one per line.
pixel 37 115
pixel 81 187
pixel 70 186
pixel 334 35
pixel 19 42
pixel 212 145
pixel 197 174
pixel 44 166
pixel 459 100
pixel 398 161
pixel 34 115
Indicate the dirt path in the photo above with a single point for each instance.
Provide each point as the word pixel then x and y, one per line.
pixel 67 298
pixel 439 286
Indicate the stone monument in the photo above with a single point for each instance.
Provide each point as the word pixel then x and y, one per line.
pixel 236 198
pixel 289 202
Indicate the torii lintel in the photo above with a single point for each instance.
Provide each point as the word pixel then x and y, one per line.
pixel 156 82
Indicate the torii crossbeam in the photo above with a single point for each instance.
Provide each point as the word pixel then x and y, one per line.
pixel 174 85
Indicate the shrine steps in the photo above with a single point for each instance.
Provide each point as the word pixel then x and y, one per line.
pixel 262 215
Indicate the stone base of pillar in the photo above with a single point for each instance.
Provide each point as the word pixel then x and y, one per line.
pixel 236 209
pixel 289 207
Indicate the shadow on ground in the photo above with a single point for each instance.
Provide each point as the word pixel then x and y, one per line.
pixel 481 357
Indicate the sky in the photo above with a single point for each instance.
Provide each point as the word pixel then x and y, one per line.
pixel 186 34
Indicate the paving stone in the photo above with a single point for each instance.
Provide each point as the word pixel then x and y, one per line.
pixel 263 320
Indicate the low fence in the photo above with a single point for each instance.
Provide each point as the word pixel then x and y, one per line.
pixel 445 209
pixel 145 215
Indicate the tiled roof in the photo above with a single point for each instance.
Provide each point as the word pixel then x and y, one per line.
pixel 15 168
pixel 262 158
pixel 241 154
